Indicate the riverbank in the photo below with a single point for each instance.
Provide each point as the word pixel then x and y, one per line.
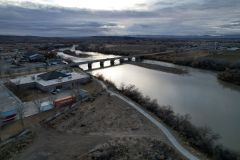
pixel 221 62
pixel 230 75
pixel 160 68
pixel 76 54
pixel 201 138
pixel 183 92
pixel 227 65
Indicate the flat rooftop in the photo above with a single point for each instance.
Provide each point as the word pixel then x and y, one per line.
pixel 33 78
pixel 74 76
pixel 8 100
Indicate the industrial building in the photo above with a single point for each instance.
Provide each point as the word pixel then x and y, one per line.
pixel 51 80
pixel 51 62
pixel 8 106
pixel 34 57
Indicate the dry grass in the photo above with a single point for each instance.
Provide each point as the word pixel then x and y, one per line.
pixel 227 56
pixel 140 148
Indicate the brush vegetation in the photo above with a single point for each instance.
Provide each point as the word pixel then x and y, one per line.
pixel 200 138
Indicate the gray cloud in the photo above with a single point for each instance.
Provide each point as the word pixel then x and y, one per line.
pixel 232 25
pixel 165 18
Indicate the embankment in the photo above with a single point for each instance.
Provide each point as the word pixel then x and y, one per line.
pixel 161 68
pixel 228 72
pixel 200 138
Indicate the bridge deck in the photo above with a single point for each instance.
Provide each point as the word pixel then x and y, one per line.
pixel 112 59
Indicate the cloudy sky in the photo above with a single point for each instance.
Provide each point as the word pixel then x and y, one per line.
pixel 119 17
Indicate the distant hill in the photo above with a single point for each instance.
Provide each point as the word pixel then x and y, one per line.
pixel 189 37
pixel 34 39
pixel 38 39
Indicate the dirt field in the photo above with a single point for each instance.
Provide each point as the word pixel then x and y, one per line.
pixel 132 148
pixel 73 135
pixel 231 57
pixel 78 134
pixel 105 116
pixel 171 57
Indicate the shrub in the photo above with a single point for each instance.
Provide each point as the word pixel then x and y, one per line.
pixel 228 75
pixel 201 138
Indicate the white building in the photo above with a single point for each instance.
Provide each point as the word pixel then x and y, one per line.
pixel 50 80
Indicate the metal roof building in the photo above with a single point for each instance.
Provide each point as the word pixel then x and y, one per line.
pixel 9 104
pixel 50 80
pixel 52 75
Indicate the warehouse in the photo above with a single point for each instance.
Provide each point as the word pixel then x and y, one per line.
pixel 34 57
pixel 8 105
pixel 51 80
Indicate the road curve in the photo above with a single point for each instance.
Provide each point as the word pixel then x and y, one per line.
pixel 168 134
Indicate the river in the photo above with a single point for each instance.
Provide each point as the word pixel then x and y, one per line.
pixel 199 93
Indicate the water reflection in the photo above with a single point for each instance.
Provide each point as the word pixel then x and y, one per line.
pixel 92 56
pixel 198 94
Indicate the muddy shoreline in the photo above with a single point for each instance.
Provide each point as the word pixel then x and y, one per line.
pixel 161 68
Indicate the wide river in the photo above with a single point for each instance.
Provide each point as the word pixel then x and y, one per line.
pixel 199 93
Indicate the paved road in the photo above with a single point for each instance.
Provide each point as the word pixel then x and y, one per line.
pixel 168 134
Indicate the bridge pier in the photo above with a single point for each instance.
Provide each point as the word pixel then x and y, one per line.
pixel 138 59
pixel 121 60
pixel 89 66
pixel 101 64
pixel 112 62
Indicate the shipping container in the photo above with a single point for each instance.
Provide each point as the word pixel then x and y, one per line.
pixel 64 101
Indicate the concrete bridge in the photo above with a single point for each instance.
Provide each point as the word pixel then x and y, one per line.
pixel 33 69
pixel 112 61
pixel 123 59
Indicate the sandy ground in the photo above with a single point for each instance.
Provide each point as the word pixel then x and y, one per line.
pixel 16 126
pixel 79 133
pixel 171 57
pixel 133 148
pixel 105 116
pixel 73 135
pixel 161 68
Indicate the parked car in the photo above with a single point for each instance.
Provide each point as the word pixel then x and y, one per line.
pixel 55 91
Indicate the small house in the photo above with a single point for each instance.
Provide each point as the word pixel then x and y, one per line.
pixel 34 57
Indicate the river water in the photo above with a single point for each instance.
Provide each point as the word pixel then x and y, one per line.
pixel 199 93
